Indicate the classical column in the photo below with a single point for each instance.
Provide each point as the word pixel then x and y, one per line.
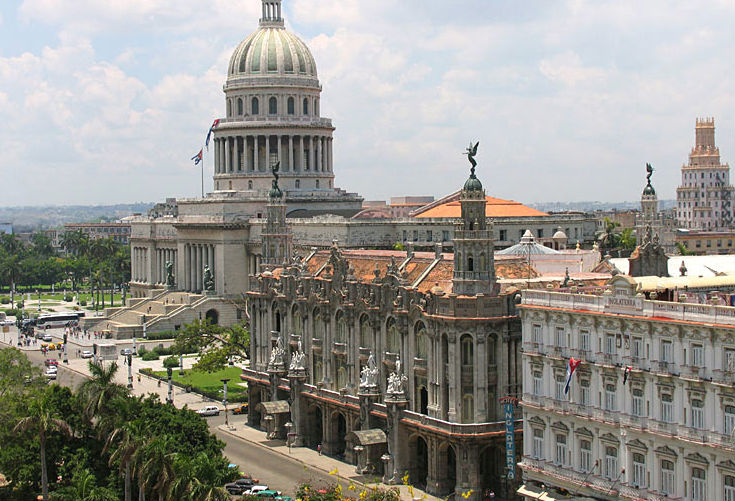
pixel 302 155
pixel 312 154
pixel 256 153
pixel 221 147
pixel 267 152
pixel 228 155
pixel 318 162
pixel 290 153
pixel 331 157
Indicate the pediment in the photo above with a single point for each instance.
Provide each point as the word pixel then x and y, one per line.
pixel 695 457
pixel 637 444
pixel 666 451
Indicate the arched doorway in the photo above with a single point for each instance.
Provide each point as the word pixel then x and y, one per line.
pixel 423 400
pixel 254 400
pixel 420 461
pixel 447 469
pixel 492 467
pixel 212 316
pixel 314 435
pixel 339 431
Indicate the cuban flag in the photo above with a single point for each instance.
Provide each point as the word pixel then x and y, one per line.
pixel 571 367
pixel 209 134
pixel 626 374
pixel 197 158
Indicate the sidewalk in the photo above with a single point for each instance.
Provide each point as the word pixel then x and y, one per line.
pixel 313 459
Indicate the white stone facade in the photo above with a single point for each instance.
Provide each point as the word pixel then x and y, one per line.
pixel 667 433
pixel 705 197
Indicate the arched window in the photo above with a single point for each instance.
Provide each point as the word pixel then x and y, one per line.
pixel 255 106
pixel 483 264
pixel 394 339
pixel 318 372
pixel 422 341
pixel 341 333
pixel 229 107
pixel 468 408
pixel 366 333
pixel 467 348
pixel 298 184
pixel 318 326
pixel 239 106
pixel 272 106
pixel 306 106
pixel 470 264
pixel 296 321
pixel 317 184
pixel 250 185
pixel 341 378
pixel 291 106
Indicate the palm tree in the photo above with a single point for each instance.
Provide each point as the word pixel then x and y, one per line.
pixel 100 393
pixel 198 479
pixel 123 443
pixel 42 420
pixel 84 488
pixel 156 467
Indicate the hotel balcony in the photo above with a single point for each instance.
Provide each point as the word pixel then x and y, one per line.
pixel 638 422
pixel 723 376
pixel 691 371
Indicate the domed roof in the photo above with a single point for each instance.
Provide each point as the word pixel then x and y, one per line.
pixel 648 190
pixel 472 184
pixel 560 235
pixel 272 50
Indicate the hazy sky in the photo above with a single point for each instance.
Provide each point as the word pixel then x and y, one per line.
pixel 106 100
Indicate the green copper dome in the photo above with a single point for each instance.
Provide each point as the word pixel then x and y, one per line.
pixel 648 190
pixel 472 184
pixel 272 51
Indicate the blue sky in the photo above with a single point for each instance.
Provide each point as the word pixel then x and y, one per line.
pixel 106 101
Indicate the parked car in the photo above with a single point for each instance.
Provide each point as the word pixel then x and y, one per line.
pixel 239 486
pixel 7 323
pixel 47 338
pixel 87 354
pixel 254 490
pixel 210 410
pixel 51 373
pixel 126 351
pixel 275 495
pixel 51 361
pixel 241 409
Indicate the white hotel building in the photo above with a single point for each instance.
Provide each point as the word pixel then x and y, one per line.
pixel 665 434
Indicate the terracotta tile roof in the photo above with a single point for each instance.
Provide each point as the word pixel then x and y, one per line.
pixel 494 207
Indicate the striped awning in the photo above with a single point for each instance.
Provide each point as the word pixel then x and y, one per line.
pixel 276 407
pixel 369 437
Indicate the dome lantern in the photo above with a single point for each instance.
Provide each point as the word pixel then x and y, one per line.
pixel 271 14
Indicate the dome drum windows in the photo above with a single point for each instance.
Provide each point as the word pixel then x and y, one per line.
pixel 273 106
pixel 255 106
pixel 291 106
pixel 306 107
pixel 239 106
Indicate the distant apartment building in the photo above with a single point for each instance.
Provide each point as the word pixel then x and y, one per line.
pixel 705 197
pixel 118 231
pixel 650 410
pixel 707 242
pixel 167 208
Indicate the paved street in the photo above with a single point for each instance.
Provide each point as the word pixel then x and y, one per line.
pixel 268 460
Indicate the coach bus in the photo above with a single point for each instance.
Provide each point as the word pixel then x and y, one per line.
pixel 59 319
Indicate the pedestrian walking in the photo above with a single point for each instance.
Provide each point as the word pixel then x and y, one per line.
pixel 319 449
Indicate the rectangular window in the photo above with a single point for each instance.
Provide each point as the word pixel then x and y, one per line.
pixel 429 236
pixel 559 337
pixel 538 444
pixel 729 488
pixel 728 361
pixel 445 235
pixel 610 344
pixel 405 235
pixel 639 470
pixel 415 235
pixel 729 419
pixel 667 477
pixel 559 387
pixel 540 233
pixel 667 408
pixel 699 485
pixel 667 349
pixel 698 414
pixel 584 392
pixel 584 340
pixel 611 463
pixel 561 450
pixel 697 355
pixel 638 347
pixel 610 404
pixel 537 333
pixel 538 384
pixel 585 456
pixel 637 402
pixel 503 235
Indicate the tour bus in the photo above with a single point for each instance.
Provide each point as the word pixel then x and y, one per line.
pixel 59 319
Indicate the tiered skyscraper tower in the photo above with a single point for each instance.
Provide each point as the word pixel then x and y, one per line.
pixel 705 196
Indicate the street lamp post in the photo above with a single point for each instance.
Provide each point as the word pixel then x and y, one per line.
pixel 66 338
pixel 224 400
pixel 129 359
pixel 288 426
pixel 170 398
pixel 39 301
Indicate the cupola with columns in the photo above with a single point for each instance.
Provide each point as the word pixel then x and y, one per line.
pixel 272 113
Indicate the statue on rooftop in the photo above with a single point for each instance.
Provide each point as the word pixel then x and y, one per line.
pixel 471 153
pixel 369 373
pixel 208 279
pixel 649 169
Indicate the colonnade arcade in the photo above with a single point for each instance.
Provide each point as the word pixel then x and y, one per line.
pixel 297 153
pixel 163 256
pixel 196 256
pixel 140 264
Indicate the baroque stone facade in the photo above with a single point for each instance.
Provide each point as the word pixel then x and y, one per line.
pixel 356 352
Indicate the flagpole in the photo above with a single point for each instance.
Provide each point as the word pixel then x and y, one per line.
pixel 202 174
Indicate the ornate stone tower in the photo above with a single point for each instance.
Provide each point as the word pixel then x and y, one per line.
pixel 649 209
pixel 474 261
pixel 277 238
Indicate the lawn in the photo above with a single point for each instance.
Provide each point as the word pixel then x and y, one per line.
pixel 209 383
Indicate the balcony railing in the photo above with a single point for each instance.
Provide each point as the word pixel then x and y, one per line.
pixel 339 349
pixel 723 376
pixel 533 348
pixel 691 371
pixel 607 358
pixel 663 428
pixel 639 422
pixel 458 428
pixel 661 366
